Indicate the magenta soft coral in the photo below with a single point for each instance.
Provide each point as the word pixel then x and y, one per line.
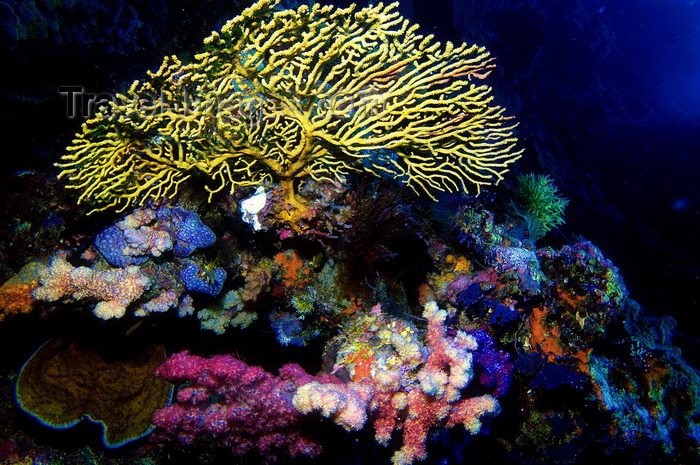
pixel 241 407
pixel 245 408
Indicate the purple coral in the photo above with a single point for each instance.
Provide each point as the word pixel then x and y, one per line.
pixel 493 369
pixel 113 245
pixel 242 407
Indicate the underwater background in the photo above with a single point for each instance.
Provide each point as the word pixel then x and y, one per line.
pixel 607 99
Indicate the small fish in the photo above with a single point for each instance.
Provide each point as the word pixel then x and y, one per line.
pixel 25 173
pixel 133 328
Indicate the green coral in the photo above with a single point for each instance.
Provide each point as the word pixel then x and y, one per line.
pixel 304 302
pixel 538 201
pixel 227 313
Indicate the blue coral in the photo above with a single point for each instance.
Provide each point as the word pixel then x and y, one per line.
pixel 112 243
pixel 289 330
pixel 470 296
pixel 503 317
pixel 121 245
pixel 466 299
pixel 548 375
pixel 190 233
pixel 196 278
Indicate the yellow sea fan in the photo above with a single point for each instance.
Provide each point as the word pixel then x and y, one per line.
pixel 283 95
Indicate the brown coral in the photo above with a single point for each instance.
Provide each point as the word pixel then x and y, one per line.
pixel 66 381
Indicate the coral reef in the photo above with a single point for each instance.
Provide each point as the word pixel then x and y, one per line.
pixel 403 385
pixel 541 347
pixel 553 325
pixel 649 387
pixel 276 222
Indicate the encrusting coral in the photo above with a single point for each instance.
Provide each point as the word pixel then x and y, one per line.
pixel 16 292
pixel 148 231
pixel 282 95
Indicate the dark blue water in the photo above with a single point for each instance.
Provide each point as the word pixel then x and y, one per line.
pixel 608 95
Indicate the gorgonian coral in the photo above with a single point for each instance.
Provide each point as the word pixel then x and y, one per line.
pixel 282 95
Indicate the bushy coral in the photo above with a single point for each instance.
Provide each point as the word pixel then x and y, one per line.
pixel 114 289
pixel 588 370
pixel 413 389
pixel 346 403
pixel 243 408
pixel 540 204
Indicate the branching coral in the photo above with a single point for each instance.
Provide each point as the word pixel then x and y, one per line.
pixel 414 389
pixel 539 202
pixel 243 407
pixel 287 94
pixel 114 289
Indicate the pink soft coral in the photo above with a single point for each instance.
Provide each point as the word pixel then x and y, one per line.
pixel 242 407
